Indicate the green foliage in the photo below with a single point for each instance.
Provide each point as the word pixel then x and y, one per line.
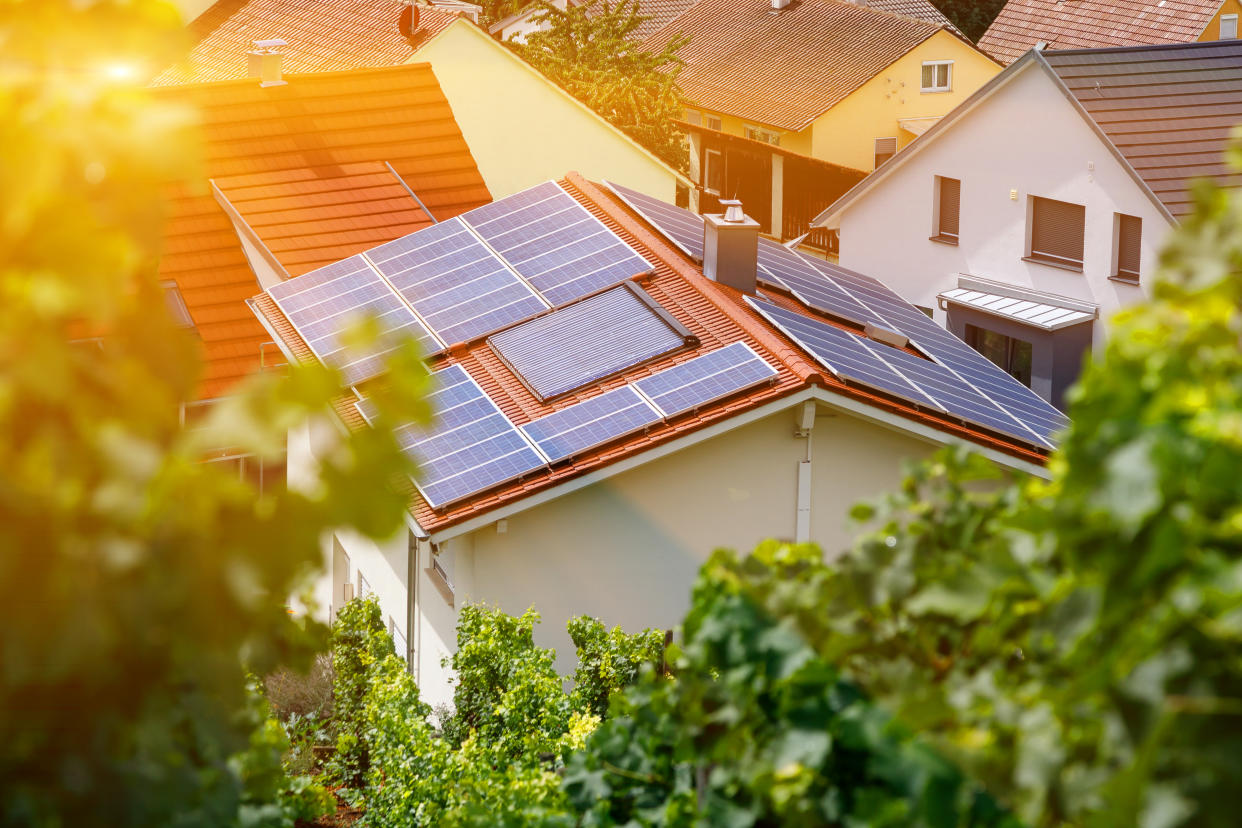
pixel 588 51
pixel 138 578
pixel 758 729
pixel 971 16
pixel 360 643
pixel 608 660
pixel 1075 644
pixel 508 692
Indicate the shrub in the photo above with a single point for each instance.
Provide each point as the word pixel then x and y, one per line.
pixel 293 693
pixel 359 643
pixel 608 660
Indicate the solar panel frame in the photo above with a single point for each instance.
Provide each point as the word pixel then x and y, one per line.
pixel 589 340
pixel 790 270
pixel 603 419
pixel 705 379
pixel 322 303
pixel 556 244
pixel 455 282
pixel 682 228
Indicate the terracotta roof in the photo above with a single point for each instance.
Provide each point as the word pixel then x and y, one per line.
pixel 918 9
pixel 284 152
pixel 1089 24
pixel 322 36
pixel 785 70
pixel 1169 110
pixel 716 315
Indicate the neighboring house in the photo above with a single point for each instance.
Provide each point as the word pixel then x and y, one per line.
pixel 1036 209
pixel 621 410
pixel 843 84
pixel 521 127
pixel 1101 24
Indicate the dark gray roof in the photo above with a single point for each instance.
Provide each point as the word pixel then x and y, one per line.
pixel 1168 109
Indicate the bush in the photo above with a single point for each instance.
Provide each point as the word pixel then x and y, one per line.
pixel 360 642
pixel 293 693
pixel 608 660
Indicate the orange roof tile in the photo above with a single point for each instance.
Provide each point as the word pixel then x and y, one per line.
pixel 787 69
pixel 322 36
pixel 304 161
pixel 1092 24
pixel 715 314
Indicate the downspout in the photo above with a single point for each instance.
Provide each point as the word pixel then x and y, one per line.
pixel 802 521
pixel 412 627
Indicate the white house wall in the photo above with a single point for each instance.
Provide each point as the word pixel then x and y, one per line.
pixel 1026 137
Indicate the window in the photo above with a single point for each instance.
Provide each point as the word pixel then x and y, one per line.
pixel 1129 238
pixel 713 171
pixel 1012 355
pixel 767 136
pixel 1057 232
pixel 693 116
pixel 937 75
pixel 1228 27
pixel 885 148
pixel 713 122
pixel 265 477
pixel 948 208
pixel 176 305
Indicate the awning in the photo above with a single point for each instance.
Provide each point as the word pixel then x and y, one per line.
pixel 1038 314
pixel 917 126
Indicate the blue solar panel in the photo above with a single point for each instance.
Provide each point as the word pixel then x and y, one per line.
pixel 323 304
pixel 586 341
pixel 599 420
pixel 469 447
pixel 706 378
pixel 682 227
pixel 792 271
pixel 455 283
pixel 845 354
pixel 554 243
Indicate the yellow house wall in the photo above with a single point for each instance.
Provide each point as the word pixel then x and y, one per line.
pixel 1212 30
pixel 846 133
pixel 731 124
pixel 522 129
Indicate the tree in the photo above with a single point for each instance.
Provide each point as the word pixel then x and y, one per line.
pixel 971 16
pixel 139 582
pixel 588 51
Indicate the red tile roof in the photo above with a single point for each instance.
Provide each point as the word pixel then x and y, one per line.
pixel 1091 24
pixel 715 314
pixel 322 36
pixel 787 69
pixel 281 151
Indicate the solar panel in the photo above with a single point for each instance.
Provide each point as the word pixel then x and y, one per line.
pixel 844 354
pixel 791 270
pixel 553 242
pixel 323 304
pixel 597 421
pixel 455 282
pixel 588 340
pixel 681 227
pixel 706 378
pixel 469 447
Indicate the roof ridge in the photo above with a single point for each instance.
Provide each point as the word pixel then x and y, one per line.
pixel 363 70
pixel 807 371
pixel 1148 47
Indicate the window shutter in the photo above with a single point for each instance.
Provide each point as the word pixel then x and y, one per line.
pixel 885 148
pixel 950 206
pixel 1057 230
pixel 1129 238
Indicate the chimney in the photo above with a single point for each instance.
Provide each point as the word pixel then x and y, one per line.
pixel 731 247
pixel 264 60
pixel 777 6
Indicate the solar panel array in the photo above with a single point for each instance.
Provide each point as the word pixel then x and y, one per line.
pixel 455 283
pixel 895 372
pixel 860 299
pixel 581 427
pixel 704 379
pixel 325 303
pixel 586 341
pixel 555 243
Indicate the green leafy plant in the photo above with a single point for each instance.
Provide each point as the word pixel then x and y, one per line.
pixel 360 643
pixel 608 660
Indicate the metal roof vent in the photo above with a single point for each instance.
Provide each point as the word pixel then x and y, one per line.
pixel 885 335
pixel 731 247
pixel 264 61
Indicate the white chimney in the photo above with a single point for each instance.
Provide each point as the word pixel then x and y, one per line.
pixel 264 59
pixel 778 6
pixel 731 247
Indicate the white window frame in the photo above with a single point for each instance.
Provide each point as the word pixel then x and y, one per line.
pixel 948 76
pixel 1232 18
pixel 693 116
pixel 707 164
pixel 761 134
pixel 713 122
